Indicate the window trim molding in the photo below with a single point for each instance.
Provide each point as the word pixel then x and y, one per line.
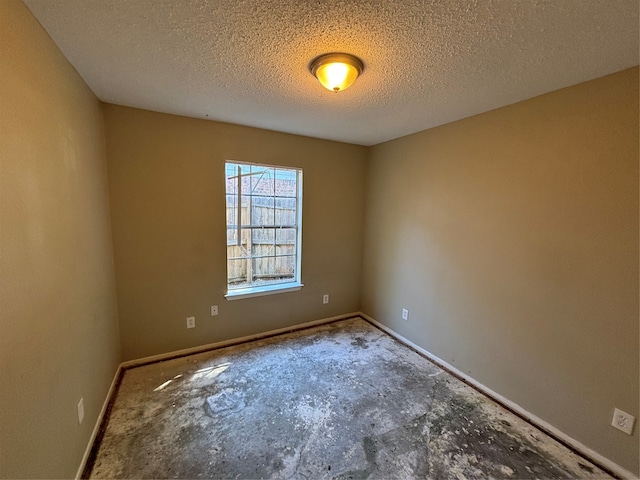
pixel 263 290
pixel 272 289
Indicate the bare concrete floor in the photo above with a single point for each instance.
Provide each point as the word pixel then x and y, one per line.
pixel 340 401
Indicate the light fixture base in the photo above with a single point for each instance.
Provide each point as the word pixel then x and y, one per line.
pixel 336 71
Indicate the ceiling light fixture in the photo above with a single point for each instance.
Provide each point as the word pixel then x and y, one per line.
pixel 336 71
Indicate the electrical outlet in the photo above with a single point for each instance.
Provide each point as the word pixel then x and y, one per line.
pixel 80 411
pixel 623 421
pixel 405 314
pixel 325 298
pixel 191 322
pixel 214 310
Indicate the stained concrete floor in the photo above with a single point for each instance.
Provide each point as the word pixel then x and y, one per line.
pixel 340 401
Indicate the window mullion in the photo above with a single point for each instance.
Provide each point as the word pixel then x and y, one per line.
pixel 239 208
pixel 250 235
pixel 273 203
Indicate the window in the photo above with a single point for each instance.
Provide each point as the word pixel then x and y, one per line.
pixel 264 229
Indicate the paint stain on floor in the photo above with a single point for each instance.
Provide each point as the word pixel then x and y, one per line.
pixel 339 401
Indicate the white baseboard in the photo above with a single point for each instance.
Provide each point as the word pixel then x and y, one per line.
pixel 546 427
pixel 96 427
pixel 225 343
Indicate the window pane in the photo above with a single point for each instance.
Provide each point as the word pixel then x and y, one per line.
pixel 245 236
pixel 288 265
pixel 286 249
pixel 263 236
pixel 246 178
pixel 262 201
pixel 237 273
pixel 262 181
pixel 264 269
pixel 236 252
pixel 232 237
pixel 244 211
pixel 232 214
pixel 232 200
pixel 285 266
pixel 285 212
pixel 231 171
pixel 286 183
pixel 285 236
pixel 262 211
pixel 267 270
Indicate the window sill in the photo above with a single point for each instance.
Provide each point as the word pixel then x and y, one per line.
pixel 261 291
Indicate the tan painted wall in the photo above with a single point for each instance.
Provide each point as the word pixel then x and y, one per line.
pixel 58 317
pixel 512 238
pixel 166 176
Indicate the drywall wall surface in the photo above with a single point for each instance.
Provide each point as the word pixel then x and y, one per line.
pixel 167 190
pixel 512 239
pixel 59 338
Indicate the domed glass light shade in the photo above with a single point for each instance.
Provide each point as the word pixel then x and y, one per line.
pixel 336 71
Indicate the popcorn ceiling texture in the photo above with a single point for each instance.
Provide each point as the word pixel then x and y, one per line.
pixel 426 62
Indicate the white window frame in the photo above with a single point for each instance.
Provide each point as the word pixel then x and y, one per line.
pixel 270 289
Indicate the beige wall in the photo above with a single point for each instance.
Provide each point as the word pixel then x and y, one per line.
pixel 166 176
pixel 512 238
pixel 58 326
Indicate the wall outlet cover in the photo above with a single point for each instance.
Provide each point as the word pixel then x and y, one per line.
pixel 623 421
pixel 191 322
pixel 325 298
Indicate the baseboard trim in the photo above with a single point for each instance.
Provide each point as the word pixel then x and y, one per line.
pixel 234 341
pixel 98 425
pixel 536 421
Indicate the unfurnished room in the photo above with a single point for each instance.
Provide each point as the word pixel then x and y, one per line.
pixel 319 240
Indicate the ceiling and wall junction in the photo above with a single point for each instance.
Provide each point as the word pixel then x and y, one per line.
pixel 427 62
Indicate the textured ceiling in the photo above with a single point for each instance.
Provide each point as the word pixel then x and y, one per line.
pixel 427 62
